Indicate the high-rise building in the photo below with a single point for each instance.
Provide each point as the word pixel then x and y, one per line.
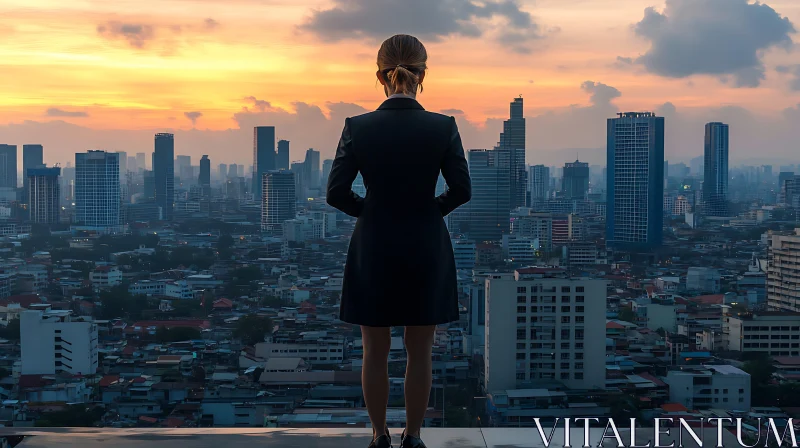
pixel 512 139
pixel 55 342
pixel 97 191
pixel 222 171
pixel 283 155
pixel 44 194
pixel 205 175
pixel 141 161
pixel 123 165
pixel 183 165
pixel 539 176
pixel 575 181
pixel 164 172
pixel 263 155
pixel 715 166
pixel 634 208
pixel 233 170
pixel 149 185
pixel 486 217
pixel 327 164
pixel 559 333
pixel 32 157
pixel 783 271
pixel 132 165
pixel 8 166
pixel 312 173
pixel 278 203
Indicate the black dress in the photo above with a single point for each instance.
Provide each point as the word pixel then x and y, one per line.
pixel 400 268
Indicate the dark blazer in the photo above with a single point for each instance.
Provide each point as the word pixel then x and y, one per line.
pixel 400 267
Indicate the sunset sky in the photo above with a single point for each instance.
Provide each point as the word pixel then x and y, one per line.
pixel 100 74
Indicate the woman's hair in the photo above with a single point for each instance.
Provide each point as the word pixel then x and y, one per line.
pixel 401 61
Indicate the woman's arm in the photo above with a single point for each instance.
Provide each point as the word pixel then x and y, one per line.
pixel 456 175
pixel 343 172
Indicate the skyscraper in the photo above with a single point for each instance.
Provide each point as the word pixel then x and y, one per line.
pixel 278 201
pixel 283 155
pixel 132 165
pixel 512 139
pixel 575 182
pixel 44 194
pixel 141 161
pixel 539 176
pixel 32 157
pixel 222 172
pixel 715 166
pixel 205 175
pixel 97 192
pixel 8 166
pixel 486 217
pixel 634 209
pixel 183 165
pixel 327 164
pixel 164 172
pixel 149 183
pixel 263 155
pixel 123 165
pixel 233 170
pixel 312 168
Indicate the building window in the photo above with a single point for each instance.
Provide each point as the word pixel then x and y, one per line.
pixel 565 345
pixel 521 356
pixel 565 334
pixel 565 356
pixel 565 289
pixel 564 319
pixel 564 299
pixel 578 309
pixel 521 319
pixel 520 376
pixel 579 299
pixel 578 366
pixel 579 345
pixel 565 309
pixel 522 309
pixel 520 346
pixel 520 334
pixel 579 289
pixel 564 375
pixel 564 366
pixel 522 299
pixel 579 334
pixel 521 289
pixel 578 375
pixel 578 319
pixel 579 355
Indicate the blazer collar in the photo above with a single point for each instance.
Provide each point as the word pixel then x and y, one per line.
pixel 400 103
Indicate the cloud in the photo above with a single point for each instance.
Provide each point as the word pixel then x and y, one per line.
pixel 504 20
pixel 794 72
pixel 210 24
pixel 136 34
pixel 622 63
pixel 712 37
pixel 452 111
pixel 602 94
pixel 56 112
pixel 193 116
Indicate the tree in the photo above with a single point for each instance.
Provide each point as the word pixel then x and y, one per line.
pixel 456 417
pixel 627 314
pixel 252 328
pixel 118 302
pixel 73 416
pixel 11 331
pixel 760 370
pixel 177 334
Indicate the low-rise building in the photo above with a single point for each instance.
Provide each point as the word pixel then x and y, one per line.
pixel 710 386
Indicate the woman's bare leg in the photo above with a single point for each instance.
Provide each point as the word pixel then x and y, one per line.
pixel 419 344
pixel 375 374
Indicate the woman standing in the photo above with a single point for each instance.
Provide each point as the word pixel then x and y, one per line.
pixel 400 268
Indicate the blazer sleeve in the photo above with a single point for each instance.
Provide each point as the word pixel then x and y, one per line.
pixel 456 174
pixel 344 170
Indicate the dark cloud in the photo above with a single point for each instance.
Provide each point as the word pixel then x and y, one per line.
pixel 452 111
pixel 794 72
pixel 260 105
pixel 602 94
pixel 666 110
pixel 712 37
pixel 426 19
pixel 210 23
pixel 56 112
pixel 622 63
pixel 136 34
pixel 193 116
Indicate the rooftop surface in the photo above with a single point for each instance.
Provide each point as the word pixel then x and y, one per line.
pixel 322 438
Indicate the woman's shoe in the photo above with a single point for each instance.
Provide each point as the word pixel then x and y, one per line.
pixel 382 441
pixel 409 441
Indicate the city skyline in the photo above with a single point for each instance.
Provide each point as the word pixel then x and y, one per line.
pixel 576 64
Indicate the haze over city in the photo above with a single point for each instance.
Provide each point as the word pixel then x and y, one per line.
pixel 107 75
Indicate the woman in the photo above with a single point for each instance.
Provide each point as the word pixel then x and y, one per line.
pixel 400 267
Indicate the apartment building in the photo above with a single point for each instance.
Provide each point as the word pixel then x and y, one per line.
pixel 106 276
pixel 316 352
pixel 710 386
pixel 559 332
pixel 783 271
pixel 776 333
pixel 55 342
